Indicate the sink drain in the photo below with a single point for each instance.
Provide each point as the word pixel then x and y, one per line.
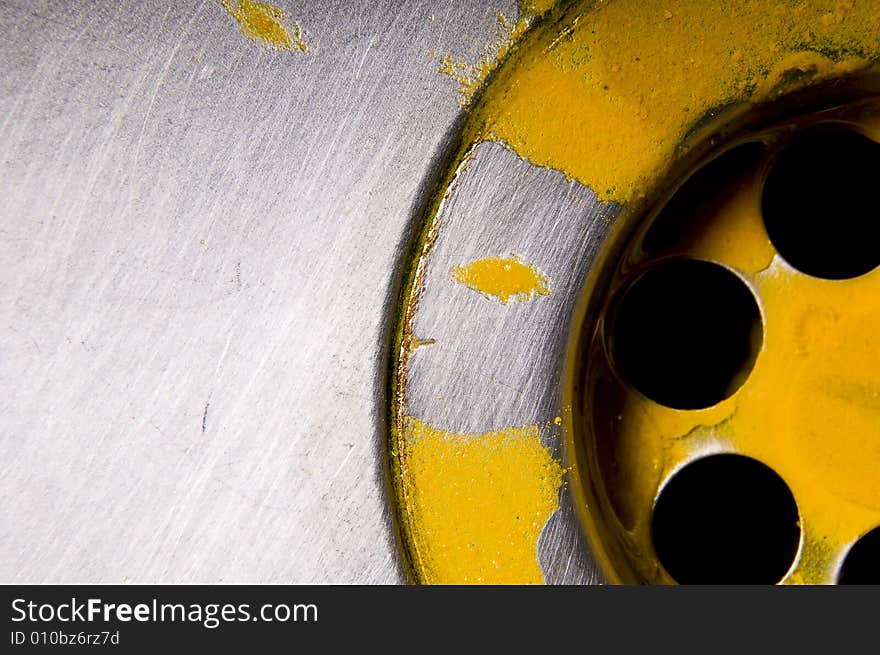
pixel 726 377
pixel 640 300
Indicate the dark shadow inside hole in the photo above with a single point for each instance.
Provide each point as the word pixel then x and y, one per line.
pixel 820 206
pixel 862 562
pixel 686 334
pixel 726 519
pixel 679 223
pixel 607 406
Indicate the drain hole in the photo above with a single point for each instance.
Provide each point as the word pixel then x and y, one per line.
pixel 819 205
pixel 862 563
pixel 726 519
pixel 686 334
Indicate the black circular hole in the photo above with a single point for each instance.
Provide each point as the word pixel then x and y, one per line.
pixel 862 563
pixel 819 204
pixel 686 334
pixel 726 519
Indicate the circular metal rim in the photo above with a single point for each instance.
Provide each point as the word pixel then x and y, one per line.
pixel 718 126
pixel 726 130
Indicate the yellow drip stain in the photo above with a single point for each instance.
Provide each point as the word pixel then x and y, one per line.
pixel 610 97
pixel 502 278
pixel 478 502
pixel 265 24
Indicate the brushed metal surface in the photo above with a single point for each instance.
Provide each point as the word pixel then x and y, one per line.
pixel 198 239
pixel 492 366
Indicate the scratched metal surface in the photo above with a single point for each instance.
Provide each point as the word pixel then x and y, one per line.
pixel 198 240
pixel 492 366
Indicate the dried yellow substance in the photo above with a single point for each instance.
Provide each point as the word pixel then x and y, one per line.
pixel 478 502
pixel 609 92
pixel 502 278
pixel 609 98
pixel 534 8
pixel 471 75
pixel 468 76
pixel 810 409
pixel 265 24
pixel 736 233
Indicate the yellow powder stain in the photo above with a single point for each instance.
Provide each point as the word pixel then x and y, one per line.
pixel 833 413
pixel 610 93
pixel 478 502
pixel 738 236
pixel 265 24
pixel 810 408
pixel 535 8
pixel 736 233
pixel 800 67
pixel 610 97
pixel 470 75
pixel 502 279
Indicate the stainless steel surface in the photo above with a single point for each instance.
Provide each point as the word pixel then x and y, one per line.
pixel 492 365
pixel 198 239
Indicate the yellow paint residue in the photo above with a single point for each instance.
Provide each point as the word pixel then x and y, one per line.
pixel 609 98
pixel 801 66
pixel 535 8
pixel 265 24
pixel 612 93
pixel 736 234
pixel 833 415
pixel 502 278
pixel 470 75
pixel 810 408
pixel 478 502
